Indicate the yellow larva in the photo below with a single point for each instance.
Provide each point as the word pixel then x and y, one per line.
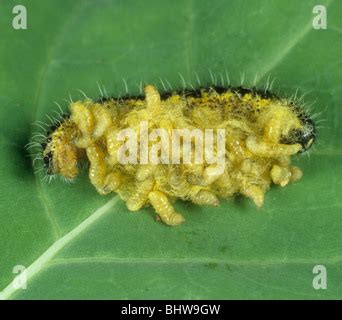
pixel 259 133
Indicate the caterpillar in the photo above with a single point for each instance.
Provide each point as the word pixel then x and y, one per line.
pixel 131 145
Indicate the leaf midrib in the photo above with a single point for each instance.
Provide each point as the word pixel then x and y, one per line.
pixel 42 261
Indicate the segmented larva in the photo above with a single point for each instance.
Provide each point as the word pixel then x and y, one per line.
pixel 260 132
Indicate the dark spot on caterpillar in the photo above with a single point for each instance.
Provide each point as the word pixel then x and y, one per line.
pixel 45 143
pixel 196 93
pixel 48 162
pixel 123 98
pixel 47 158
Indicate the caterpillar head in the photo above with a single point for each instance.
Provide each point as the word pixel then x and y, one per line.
pixel 305 134
pixel 60 155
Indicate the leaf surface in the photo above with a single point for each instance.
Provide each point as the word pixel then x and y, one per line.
pixel 78 244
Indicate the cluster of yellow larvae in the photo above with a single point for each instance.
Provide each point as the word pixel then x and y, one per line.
pixel 259 140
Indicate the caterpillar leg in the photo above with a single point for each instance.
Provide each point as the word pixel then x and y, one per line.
pixel 164 209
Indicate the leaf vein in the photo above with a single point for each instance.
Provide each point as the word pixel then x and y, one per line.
pixel 42 261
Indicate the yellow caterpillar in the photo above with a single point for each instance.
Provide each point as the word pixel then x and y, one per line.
pixel 260 133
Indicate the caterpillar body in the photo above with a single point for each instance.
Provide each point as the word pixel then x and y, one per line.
pixel 260 133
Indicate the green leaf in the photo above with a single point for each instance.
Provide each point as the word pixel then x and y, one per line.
pixel 78 244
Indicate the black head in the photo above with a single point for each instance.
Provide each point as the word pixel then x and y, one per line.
pixel 305 135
